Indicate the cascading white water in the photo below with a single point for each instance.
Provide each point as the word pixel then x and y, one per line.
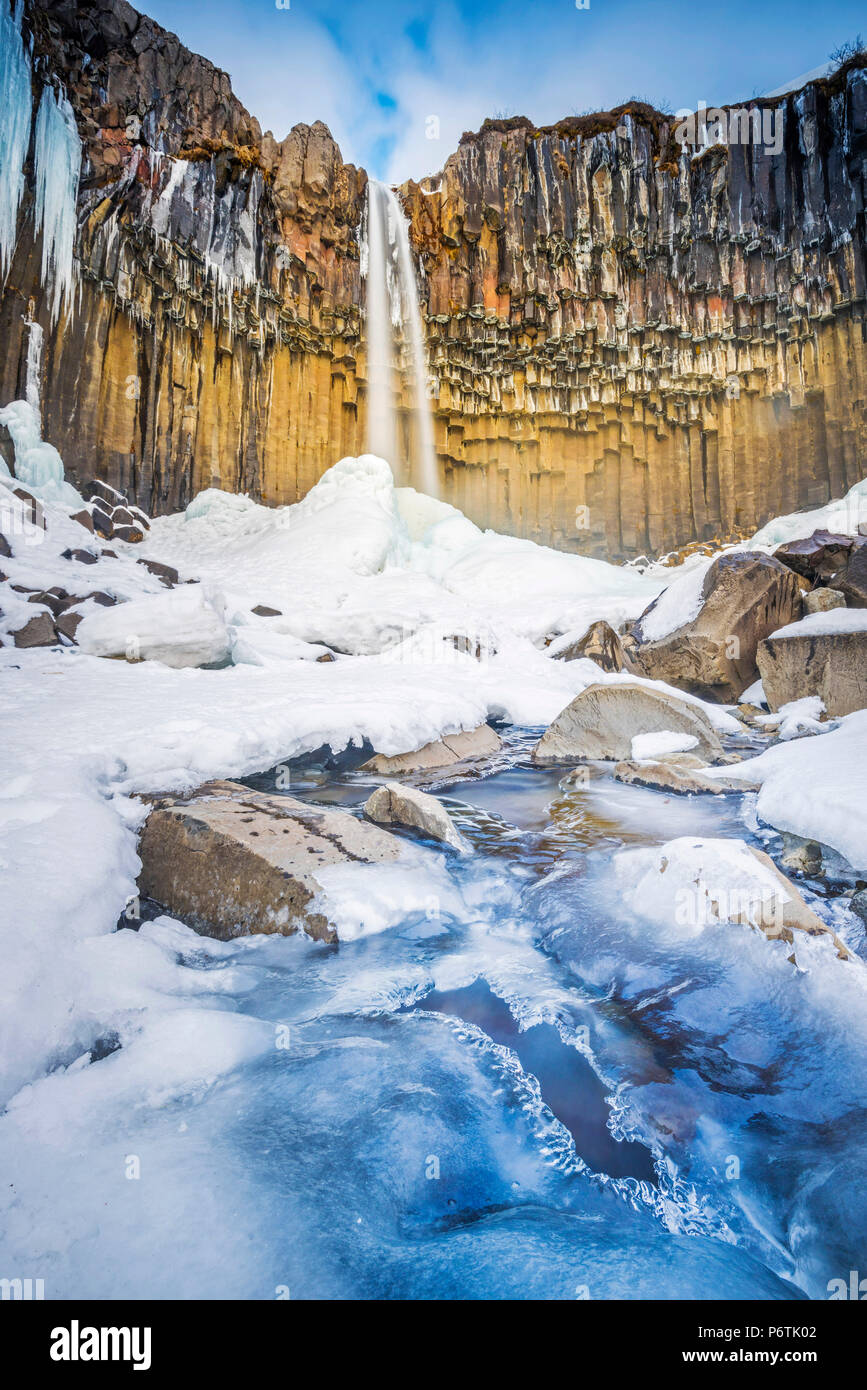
pixel 392 311
pixel 381 416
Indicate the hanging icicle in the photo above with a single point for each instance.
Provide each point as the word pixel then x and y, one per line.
pixel 58 166
pixel 16 111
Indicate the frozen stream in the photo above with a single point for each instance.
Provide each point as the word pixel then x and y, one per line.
pixel 513 1091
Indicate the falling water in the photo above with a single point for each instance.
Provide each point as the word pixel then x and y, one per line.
pixel 392 311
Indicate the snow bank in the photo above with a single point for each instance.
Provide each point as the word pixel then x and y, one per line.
pixel 842 516
pixel 816 787
pixel 832 621
pixel 184 627
pixel 679 604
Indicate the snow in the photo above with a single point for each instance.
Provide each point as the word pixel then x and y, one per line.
pixel 679 604
pixel 689 885
pixel 386 578
pixel 796 718
pixel 184 627
pixel 841 517
pixel 652 746
pixel 815 787
pixel 16 112
pixel 754 694
pixel 832 621
pixel 57 171
pixel 383 574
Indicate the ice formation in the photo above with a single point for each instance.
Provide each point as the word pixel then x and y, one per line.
pixel 16 112
pixel 58 166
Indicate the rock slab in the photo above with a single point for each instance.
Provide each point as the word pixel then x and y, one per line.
pixel 229 861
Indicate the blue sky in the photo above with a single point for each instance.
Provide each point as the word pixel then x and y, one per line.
pixel 377 72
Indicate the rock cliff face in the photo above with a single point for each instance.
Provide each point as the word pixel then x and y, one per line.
pixel 631 346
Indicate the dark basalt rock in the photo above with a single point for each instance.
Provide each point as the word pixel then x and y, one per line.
pixel 166 573
pixel 39 632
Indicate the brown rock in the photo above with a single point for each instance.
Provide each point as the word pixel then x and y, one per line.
pixel 819 557
pixel 823 600
pixel 263 611
pixel 671 776
pixel 832 665
pixel 67 624
pixel 393 804
pixel 453 748
pixel 166 573
pixel 39 632
pixel 601 644
pixel 229 861
pixel 746 596
pixel 83 557
pixel 84 519
pixel 853 584
pixel 5 548
pixel 602 721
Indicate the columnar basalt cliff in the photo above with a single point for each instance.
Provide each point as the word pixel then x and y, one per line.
pixel 631 344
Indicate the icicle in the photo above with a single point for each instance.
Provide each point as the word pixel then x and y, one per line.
pixel 58 165
pixel 16 111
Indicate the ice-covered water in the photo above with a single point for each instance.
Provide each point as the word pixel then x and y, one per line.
pixel 511 1088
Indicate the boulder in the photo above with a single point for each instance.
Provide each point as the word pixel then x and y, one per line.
pixel 98 491
pixel 84 519
pixel 602 721
pixel 39 632
pixel 825 655
pixel 262 610
pixel 601 644
pixel 165 573
pixel 393 804
pixel 744 597
pixel 5 548
pixel 823 600
pixel 229 861
pixel 819 557
pixel 853 584
pixel 178 628
pixel 83 557
pixel 702 884
pixel 858 905
pixel 102 523
pixel 56 599
pixel 790 912
pixel 67 624
pixel 682 777
pixel 481 742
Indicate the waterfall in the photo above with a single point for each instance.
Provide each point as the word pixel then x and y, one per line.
pixel 33 387
pixel 392 313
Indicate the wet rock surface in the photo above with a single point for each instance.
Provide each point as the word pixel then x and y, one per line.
pixel 229 861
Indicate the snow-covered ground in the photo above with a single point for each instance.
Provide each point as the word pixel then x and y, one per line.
pixel 382 577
